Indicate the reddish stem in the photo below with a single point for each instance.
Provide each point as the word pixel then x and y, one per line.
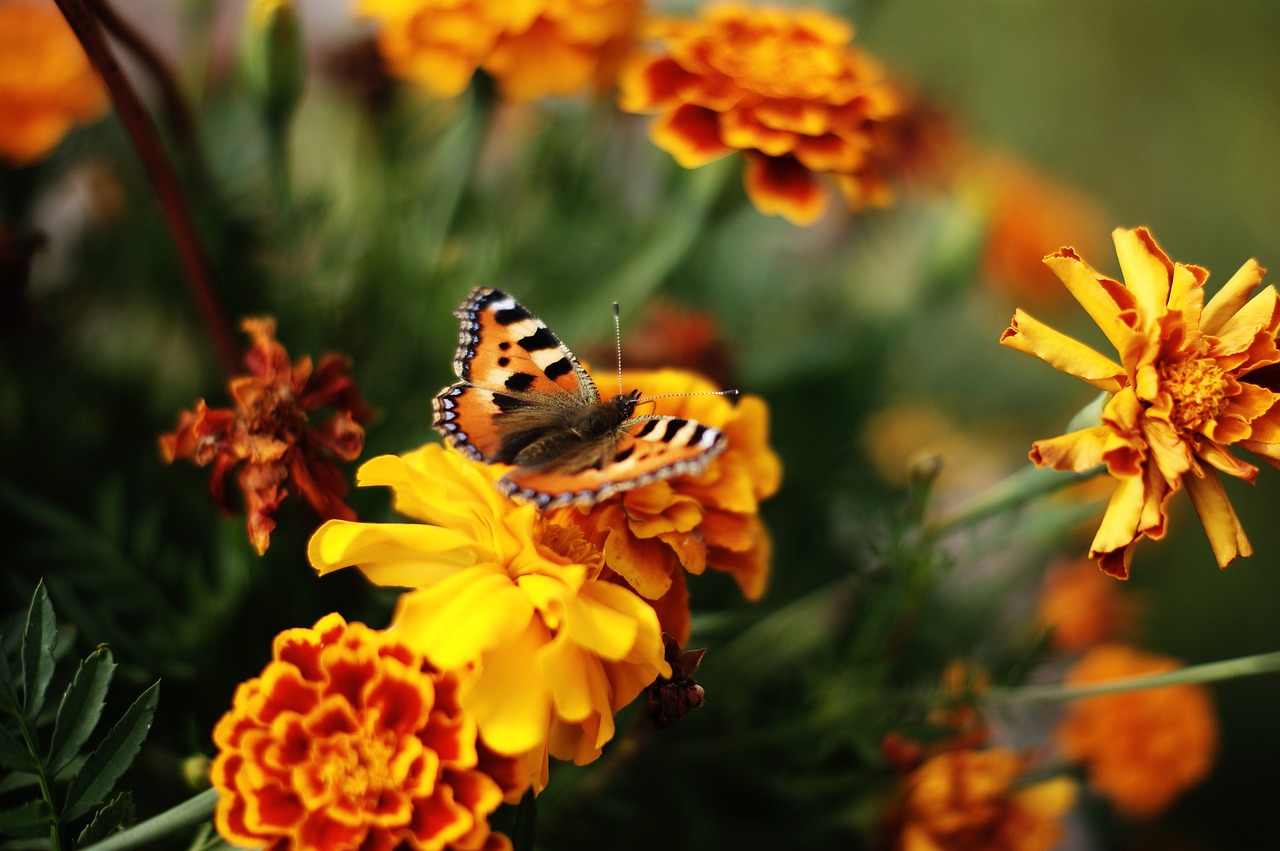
pixel 168 190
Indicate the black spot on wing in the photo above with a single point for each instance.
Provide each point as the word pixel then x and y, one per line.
pixel 508 403
pixel 558 368
pixel 511 315
pixel 673 427
pixel 539 340
pixel 649 425
pixel 624 454
pixel 504 361
pixel 518 382
pixel 698 432
pixel 504 345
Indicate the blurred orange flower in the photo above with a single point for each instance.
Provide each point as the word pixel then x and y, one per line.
pixel 1185 389
pixel 532 49
pixel 781 85
pixel 268 433
pixel 1142 749
pixel 974 800
pixel 349 739
pixel 46 82
pixel 651 535
pixel 551 651
pixel 1082 606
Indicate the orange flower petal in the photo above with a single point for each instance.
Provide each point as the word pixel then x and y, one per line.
pixel 780 186
pixel 691 134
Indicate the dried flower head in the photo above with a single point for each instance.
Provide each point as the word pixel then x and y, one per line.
pixel 270 437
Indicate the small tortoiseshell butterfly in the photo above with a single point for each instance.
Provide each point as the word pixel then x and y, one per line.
pixel 525 400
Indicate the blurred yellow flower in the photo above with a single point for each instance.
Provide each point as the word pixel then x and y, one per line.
pixel 1185 388
pixel 533 48
pixel 973 800
pixel 46 82
pixel 1142 749
pixel 1082 605
pixel 349 739
pixel 651 535
pixel 783 86
pixel 547 652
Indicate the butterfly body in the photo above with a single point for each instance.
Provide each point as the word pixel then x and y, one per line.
pixel 523 399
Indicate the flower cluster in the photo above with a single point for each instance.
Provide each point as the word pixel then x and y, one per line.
pixel 1189 384
pixel 783 86
pixel 269 436
pixel 46 83
pixel 349 739
pixel 531 49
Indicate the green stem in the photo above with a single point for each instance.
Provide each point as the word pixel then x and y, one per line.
pixel 1228 669
pixel 46 788
pixel 1010 493
pixel 190 812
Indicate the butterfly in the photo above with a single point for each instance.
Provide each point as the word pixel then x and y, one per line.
pixel 525 400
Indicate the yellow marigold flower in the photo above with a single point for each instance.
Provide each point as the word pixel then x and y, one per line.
pixel 349 739
pixel 533 48
pixel 652 534
pixel 970 800
pixel 1142 749
pixel 1185 388
pixel 46 82
pixel 552 650
pixel 1082 606
pixel 782 85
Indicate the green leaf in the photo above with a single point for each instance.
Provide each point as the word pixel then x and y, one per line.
pixel 14 754
pixel 8 688
pixel 81 708
pixel 37 652
pixel 105 765
pixel 117 813
pixel 30 815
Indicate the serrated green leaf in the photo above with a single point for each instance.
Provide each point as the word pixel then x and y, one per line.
pixel 37 652
pixel 105 765
pixel 18 780
pixel 116 814
pixel 14 754
pixel 29 815
pixel 81 708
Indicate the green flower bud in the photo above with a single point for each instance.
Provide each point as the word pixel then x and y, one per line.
pixel 272 62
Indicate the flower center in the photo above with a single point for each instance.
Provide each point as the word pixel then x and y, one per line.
pixel 359 770
pixel 1198 388
pixel 568 542
pixel 276 413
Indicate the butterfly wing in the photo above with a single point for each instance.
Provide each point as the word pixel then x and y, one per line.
pixel 515 373
pixel 648 450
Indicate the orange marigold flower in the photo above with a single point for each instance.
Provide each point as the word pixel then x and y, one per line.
pixel 552 651
pixel 46 82
pixel 349 739
pixel 1142 749
pixel 782 85
pixel 269 436
pixel 652 534
pixel 532 49
pixel 1186 387
pixel 971 800
pixel 1081 605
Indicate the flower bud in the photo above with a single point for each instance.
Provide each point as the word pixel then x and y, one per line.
pixel 272 64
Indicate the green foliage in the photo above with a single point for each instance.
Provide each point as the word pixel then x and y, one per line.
pixel 72 786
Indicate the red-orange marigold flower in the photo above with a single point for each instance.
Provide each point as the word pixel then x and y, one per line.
pixel 1141 749
pixel 781 85
pixel 653 534
pixel 268 433
pixel 349 739
pixel 1189 383
pixel 46 82
pixel 970 800
pixel 532 49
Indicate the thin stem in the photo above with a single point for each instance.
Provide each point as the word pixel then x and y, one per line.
pixel 168 190
pixel 1244 666
pixel 190 812
pixel 42 778
pixel 1011 492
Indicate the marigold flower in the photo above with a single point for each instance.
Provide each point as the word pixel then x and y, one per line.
pixel 970 800
pixel 349 739
pixel 781 85
pixel 1141 749
pixel 1081 605
pixel 269 436
pixel 46 82
pixel 531 49
pixel 652 534
pixel 1185 389
pixel 553 651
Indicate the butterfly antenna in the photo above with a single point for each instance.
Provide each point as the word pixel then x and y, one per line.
pixel 699 393
pixel 617 336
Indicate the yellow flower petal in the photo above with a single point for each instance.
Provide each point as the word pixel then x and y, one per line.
pixel 456 622
pixel 1226 535
pixel 1102 298
pixel 1233 295
pixel 509 697
pixel 1147 271
pixel 1030 336
pixel 391 553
